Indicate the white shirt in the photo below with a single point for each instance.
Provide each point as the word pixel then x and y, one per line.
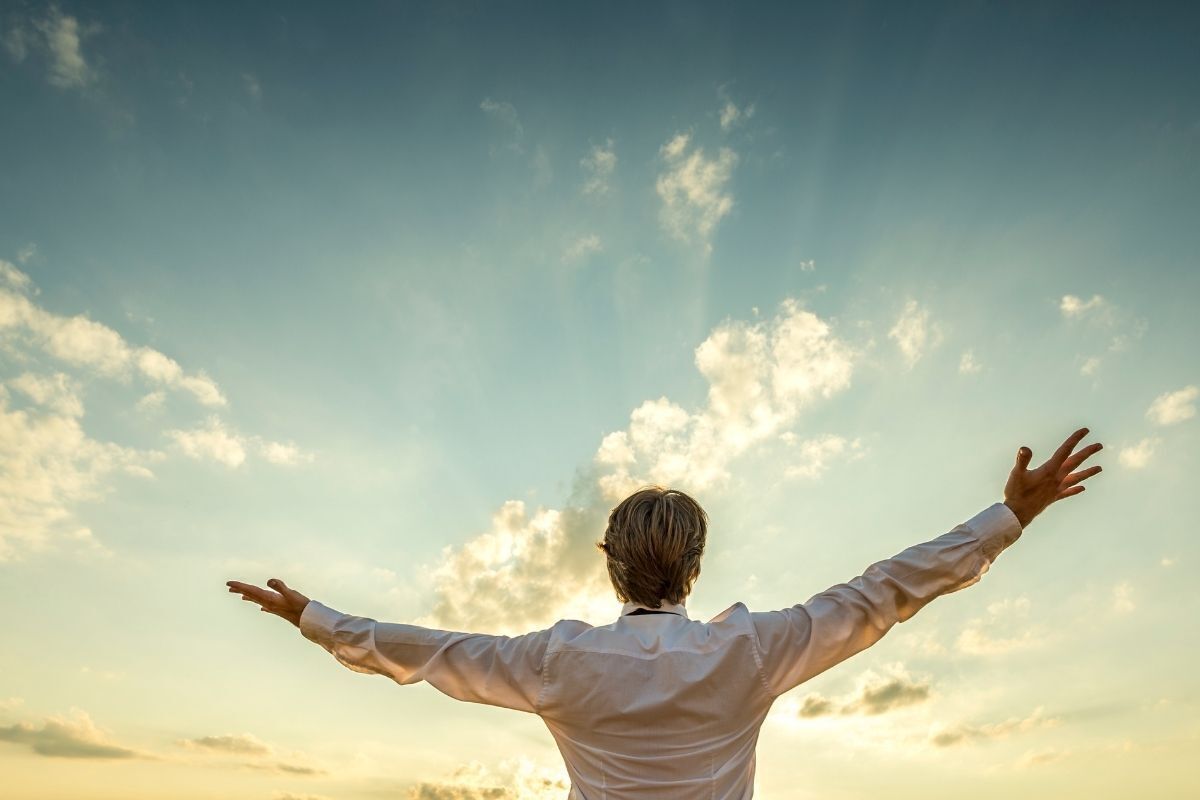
pixel 660 705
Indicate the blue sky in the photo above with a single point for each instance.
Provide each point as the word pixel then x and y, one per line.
pixel 394 302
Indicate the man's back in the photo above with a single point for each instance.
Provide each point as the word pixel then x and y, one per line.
pixel 656 705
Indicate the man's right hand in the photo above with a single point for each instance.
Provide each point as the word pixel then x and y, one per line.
pixel 1028 492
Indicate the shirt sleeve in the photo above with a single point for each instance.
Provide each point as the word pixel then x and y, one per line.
pixel 477 668
pixel 803 641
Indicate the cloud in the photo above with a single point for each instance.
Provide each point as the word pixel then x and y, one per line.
pixel 914 333
pixel 506 117
pixel 239 744
pixel 294 796
pixel 81 342
pixel 213 441
pixel 967 733
pixel 1137 456
pixel 1123 598
pixel 693 190
pixel 535 566
pixel 1073 307
pixel 814 456
pixel 1171 408
pixel 48 463
pixel 75 736
pixel 1090 366
pixel 59 37
pixel 598 166
pixel 874 694
pixel 731 115
pixel 967 365
pixel 581 248
pixel 512 779
pixel 1003 630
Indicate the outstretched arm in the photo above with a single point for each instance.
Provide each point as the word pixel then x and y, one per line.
pixel 803 641
pixel 478 668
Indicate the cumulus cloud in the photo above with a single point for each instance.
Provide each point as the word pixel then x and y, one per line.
pixel 875 693
pixel 598 167
pixel 694 190
pixel 1137 456
pixel 968 733
pixel 512 779
pixel 915 333
pixel 535 566
pixel 581 248
pixel 1171 408
pixel 1004 629
pixel 72 736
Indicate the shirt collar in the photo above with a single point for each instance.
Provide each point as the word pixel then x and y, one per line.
pixel 673 608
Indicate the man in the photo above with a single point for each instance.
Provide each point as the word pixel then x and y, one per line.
pixel 657 705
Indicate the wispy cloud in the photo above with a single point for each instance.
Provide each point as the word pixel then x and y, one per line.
pixel 732 115
pixel 512 779
pixel 967 365
pixel 59 38
pixel 238 743
pixel 506 117
pixel 598 167
pixel 915 332
pixel 1004 629
pixel 581 248
pixel 214 441
pixel 816 455
pixel 1171 408
pixel 1122 598
pixel 1074 307
pixel 694 190
pixel 966 733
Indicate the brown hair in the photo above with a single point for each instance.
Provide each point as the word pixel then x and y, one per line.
pixel 654 541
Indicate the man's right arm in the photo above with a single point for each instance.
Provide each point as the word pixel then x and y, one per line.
pixel 803 641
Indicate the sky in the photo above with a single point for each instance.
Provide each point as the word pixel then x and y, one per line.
pixel 396 301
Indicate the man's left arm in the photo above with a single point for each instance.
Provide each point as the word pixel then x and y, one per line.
pixel 495 670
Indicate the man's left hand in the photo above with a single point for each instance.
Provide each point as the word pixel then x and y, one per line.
pixel 283 602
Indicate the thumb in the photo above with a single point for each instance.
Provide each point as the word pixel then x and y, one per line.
pixel 1023 456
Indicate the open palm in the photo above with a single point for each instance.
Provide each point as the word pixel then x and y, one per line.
pixel 285 602
pixel 1029 491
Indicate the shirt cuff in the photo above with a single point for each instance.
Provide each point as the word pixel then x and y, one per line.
pixel 317 622
pixel 997 527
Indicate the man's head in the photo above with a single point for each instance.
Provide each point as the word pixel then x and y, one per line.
pixel 654 541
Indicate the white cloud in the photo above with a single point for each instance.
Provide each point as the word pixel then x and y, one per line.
pixel 283 453
pixel 512 779
pixel 581 248
pixel 79 341
pixel 1074 307
pixel 599 165
pixel 27 252
pixel 815 456
pixel 531 568
pixel 1123 598
pixel 17 41
pixel 48 464
pixel 914 333
pixel 967 365
pixel 1137 456
pixel 693 190
pixel 62 39
pixel 732 116
pixel 212 441
pixel 1170 408
pixel 1090 366
pixel 808 266
pixel 73 736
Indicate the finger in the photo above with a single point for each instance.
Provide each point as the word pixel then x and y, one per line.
pixel 1076 477
pixel 1068 492
pixel 1077 459
pixel 1064 450
pixel 1023 456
